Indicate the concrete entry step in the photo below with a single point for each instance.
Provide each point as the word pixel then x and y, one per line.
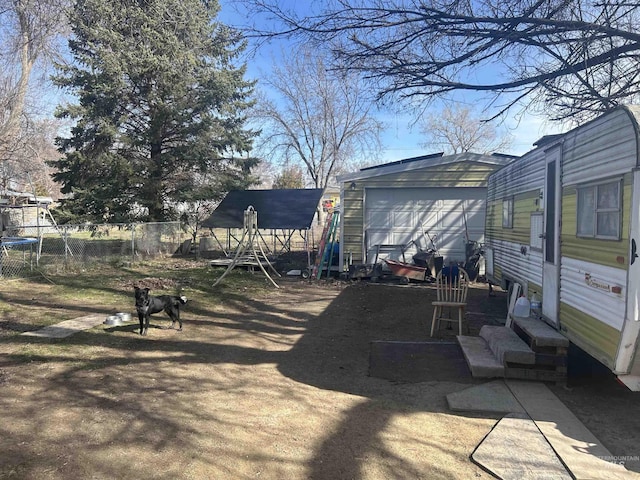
pixel 540 334
pixel 481 361
pixel 507 346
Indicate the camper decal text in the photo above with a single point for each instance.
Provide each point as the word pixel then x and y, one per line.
pixel 592 282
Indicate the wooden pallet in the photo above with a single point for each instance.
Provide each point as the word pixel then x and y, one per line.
pixel 536 372
pixel 550 348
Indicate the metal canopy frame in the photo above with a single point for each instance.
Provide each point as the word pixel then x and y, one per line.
pixel 250 245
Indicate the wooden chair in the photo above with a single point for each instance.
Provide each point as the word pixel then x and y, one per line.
pixel 452 285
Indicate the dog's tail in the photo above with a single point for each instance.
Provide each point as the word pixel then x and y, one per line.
pixel 182 299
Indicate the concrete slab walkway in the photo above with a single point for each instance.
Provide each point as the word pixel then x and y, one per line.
pixel 490 397
pixel 579 449
pixel 516 448
pixel 68 327
pixel 516 435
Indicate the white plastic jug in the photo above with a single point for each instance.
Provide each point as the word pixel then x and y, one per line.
pixel 522 307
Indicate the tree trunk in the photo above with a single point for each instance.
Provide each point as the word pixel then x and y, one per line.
pixel 15 100
pixel 155 184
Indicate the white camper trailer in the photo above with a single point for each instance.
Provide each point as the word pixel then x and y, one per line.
pixel 563 221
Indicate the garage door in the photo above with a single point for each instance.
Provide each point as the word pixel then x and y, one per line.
pixel 396 216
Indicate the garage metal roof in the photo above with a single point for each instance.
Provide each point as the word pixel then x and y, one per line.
pixel 426 161
pixel 277 209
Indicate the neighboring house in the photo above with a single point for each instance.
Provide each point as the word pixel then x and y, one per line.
pixel 330 198
pixel 23 209
pixel 395 203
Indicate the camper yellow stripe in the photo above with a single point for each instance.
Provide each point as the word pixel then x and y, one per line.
pixel 593 336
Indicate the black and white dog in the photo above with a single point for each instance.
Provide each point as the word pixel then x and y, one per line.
pixel 146 305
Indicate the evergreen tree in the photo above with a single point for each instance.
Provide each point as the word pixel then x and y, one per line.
pixel 161 106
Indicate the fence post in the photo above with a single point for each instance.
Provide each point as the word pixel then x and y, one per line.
pixel 133 242
pixel 66 245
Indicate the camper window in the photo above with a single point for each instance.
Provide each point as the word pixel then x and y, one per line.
pixel 536 232
pixel 599 210
pixel 507 213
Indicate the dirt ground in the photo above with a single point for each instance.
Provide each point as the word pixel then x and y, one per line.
pixel 267 386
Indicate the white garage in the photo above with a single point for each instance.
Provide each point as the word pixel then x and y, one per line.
pixel 445 216
pixel 394 203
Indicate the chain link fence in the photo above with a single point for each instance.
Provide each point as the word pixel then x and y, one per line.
pixel 48 247
pixel 24 249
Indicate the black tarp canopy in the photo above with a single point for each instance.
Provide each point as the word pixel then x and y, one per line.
pixel 292 209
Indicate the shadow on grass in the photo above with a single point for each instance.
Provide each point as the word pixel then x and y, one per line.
pixel 111 387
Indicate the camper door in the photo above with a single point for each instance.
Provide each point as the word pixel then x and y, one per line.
pixel 628 358
pixel 551 244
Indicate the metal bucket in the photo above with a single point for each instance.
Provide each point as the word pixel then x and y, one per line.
pixel 124 317
pixel 113 320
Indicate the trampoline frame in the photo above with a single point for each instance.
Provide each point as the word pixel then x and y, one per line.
pixel 16 241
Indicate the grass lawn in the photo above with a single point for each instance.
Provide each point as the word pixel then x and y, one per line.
pixel 48 298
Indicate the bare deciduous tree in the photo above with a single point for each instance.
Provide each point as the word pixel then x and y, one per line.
pixel 29 32
pixel 321 119
pixel 24 167
pixel 456 130
pixel 578 57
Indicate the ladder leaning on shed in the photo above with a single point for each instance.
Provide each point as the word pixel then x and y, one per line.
pixel 327 245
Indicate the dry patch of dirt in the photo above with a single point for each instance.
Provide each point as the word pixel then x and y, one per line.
pixel 273 385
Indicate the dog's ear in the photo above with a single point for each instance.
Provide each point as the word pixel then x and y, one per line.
pixel 136 288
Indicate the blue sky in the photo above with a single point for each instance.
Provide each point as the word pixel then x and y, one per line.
pixel 403 141
pixel 401 138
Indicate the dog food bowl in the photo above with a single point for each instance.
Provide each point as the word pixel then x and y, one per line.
pixel 124 317
pixel 113 320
